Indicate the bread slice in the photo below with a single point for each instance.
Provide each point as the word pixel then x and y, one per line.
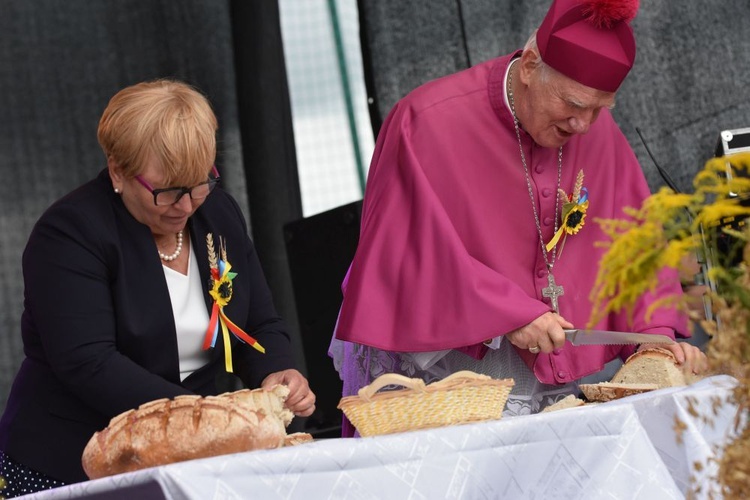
pixel 298 438
pixel 651 366
pixel 569 401
pixel 606 391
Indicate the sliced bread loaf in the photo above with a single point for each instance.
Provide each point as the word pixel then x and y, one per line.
pixel 651 366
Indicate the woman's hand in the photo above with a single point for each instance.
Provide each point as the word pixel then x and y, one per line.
pixel 301 400
pixel 690 358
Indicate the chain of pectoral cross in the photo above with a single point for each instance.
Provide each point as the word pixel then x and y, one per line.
pixel 553 291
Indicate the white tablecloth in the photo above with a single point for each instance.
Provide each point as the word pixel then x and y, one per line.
pixel 622 449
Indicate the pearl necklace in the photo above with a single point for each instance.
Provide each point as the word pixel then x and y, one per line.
pixel 177 252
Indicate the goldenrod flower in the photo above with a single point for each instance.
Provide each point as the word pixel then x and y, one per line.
pixel 671 228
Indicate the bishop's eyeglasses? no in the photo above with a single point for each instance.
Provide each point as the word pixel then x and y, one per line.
pixel 170 196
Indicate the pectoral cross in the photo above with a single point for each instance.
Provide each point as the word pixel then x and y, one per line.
pixel 552 291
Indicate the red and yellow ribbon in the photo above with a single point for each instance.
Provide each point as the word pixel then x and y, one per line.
pixel 221 291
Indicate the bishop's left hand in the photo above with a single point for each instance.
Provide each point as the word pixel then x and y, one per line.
pixel 690 358
pixel 301 400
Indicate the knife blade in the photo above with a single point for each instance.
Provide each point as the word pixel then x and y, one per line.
pixel 603 337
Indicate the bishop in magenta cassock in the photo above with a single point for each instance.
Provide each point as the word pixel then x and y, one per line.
pixel 463 236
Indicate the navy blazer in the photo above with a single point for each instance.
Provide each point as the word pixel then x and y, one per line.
pixel 98 329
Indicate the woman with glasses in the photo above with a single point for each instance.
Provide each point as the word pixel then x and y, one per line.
pixel 141 284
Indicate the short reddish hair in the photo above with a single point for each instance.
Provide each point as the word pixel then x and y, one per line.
pixel 167 119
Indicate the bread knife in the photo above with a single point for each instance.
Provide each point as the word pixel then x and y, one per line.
pixel 602 337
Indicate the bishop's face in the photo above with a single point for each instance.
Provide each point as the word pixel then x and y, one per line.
pixel 554 107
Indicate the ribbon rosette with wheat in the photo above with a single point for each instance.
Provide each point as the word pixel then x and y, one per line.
pixel 220 289
pixel 573 213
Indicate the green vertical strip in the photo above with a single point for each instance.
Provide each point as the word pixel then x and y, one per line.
pixel 343 73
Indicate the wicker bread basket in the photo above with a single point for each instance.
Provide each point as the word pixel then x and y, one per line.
pixel 457 399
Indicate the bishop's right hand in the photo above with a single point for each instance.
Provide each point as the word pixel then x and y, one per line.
pixel 546 333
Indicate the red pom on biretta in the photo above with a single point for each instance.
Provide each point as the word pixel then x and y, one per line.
pixel 590 41
pixel 607 13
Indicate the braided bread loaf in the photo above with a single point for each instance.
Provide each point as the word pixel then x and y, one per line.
pixel 188 427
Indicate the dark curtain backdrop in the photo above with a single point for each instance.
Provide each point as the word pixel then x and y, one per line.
pixel 689 82
pixel 268 144
pixel 61 61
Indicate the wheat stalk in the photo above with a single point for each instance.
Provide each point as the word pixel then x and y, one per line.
pixel 223 248
pixel 578 186
pixel 211 251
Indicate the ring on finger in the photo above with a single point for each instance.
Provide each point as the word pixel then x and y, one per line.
pixel 534 349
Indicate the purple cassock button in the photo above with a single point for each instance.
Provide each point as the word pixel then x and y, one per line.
pixel 546 192
pixel 548 221
pixel 541 272
pixel 561 374
pixel 539 168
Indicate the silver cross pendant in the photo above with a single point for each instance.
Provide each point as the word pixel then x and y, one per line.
pixel 552 291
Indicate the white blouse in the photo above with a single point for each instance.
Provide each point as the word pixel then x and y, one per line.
pixel 190 315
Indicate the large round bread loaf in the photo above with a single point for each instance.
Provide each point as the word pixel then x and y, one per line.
pixel 188 427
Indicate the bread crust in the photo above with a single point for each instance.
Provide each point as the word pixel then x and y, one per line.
pixel 188 427
pixel 652 352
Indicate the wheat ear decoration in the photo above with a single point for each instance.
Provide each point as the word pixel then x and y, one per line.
pixel 223 248
pixel 211 251
pixel 563 196
pixel 578 186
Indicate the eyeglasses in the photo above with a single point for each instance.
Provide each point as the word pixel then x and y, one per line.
pixel 170 196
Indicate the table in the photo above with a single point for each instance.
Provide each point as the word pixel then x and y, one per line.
pixel 621 449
